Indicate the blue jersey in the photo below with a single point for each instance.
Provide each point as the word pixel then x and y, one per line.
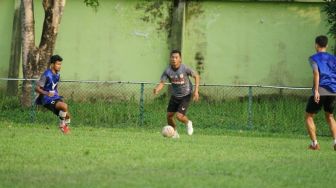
pixel 48 82
pixel 326 64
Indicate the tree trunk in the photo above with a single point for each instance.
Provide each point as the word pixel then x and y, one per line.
pixel 35 59
pixel 177 24
pixel 14 62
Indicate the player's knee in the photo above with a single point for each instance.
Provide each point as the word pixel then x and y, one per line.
pixel 309 116
pixel 170 115
pixel 65 107
pixel 179 116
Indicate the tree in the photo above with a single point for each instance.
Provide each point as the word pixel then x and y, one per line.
pixel 35 58
pixel 330 9
pixel 14 61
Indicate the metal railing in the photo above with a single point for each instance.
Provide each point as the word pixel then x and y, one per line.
pixel 120 103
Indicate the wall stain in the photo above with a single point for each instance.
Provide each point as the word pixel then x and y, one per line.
pixel 199 58
pixel 279 74
pixel 155 12
pixel 193 9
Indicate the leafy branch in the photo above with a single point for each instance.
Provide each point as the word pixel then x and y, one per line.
pixel 330 9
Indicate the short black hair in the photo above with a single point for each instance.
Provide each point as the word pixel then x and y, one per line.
pixel 55 58
pixel 321 41
pixel 176 52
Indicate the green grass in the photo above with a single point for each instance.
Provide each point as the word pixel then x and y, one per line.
pixel 276 114
pixel 39 156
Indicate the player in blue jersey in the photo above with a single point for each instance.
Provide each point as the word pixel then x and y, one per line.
pixel 48 93
pixel 182 89
pixel 324 90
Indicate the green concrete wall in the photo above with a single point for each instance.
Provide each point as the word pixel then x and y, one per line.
pixel 114 43
pixel 6 22
pixel 253 43
pixel 241 42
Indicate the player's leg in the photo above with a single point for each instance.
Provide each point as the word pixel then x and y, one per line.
pixel 64 116
pixel 311 109
pixel 311 128
pixel 182 118
pixel 181 114
pixel 170 119
pixel 59 109
pixel 329 106
pixel 171 110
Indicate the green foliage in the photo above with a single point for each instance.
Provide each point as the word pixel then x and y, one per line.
pixel 92 3
pixel 330 9
pixel 40 156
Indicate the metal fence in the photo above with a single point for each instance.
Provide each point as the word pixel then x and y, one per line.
pixel 122 104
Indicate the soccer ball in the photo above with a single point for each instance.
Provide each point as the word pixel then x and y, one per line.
pixel 168 131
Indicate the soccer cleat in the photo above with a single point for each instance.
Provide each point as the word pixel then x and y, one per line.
pixel 190 128
pixel 335 147
pixel 316 147
pixel 176 135
pixel 64 128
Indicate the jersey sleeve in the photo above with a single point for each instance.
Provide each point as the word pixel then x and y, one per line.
pixel 313 64
pixel 42 81
pixel 164 76
pixel 190 72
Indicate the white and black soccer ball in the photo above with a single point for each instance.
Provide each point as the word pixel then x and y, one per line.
pixel 168 131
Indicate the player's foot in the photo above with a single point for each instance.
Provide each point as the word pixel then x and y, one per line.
pixel 176 135
pixel 335 147
pixel 314 147
pixel 64 128
pixel 190 128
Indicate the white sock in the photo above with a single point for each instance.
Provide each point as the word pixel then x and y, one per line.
pixel 334 141
pixel 314 143
pixel 67 121
pixel 62 116
pixel 62 122
pixel 189 123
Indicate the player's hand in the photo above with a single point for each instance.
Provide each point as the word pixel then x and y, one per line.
pixel 51 93
pixel 316 96
pixel 196 96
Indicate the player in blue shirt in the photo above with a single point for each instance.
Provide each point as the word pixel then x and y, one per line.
pixel 324 90
pixel 48 93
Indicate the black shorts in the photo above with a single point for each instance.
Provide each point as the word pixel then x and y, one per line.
pixel 179 104
pixel 328 103
pixel 52 106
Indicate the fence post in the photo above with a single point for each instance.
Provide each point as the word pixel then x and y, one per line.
pixel 141 117
pixel 250 110
pixel 32 113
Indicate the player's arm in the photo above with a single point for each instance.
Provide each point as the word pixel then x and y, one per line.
pixel 39 87
pixel 158 88
pixel 316 79
pixel 316 85
pixel 197 80
pixel 40 90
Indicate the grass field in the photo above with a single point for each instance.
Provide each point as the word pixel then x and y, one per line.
pixel 40 156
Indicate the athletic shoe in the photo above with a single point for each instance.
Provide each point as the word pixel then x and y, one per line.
pixel 335 147
pixel 316 147
pixel 190 128
pixel 65 129
pixel 176 135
